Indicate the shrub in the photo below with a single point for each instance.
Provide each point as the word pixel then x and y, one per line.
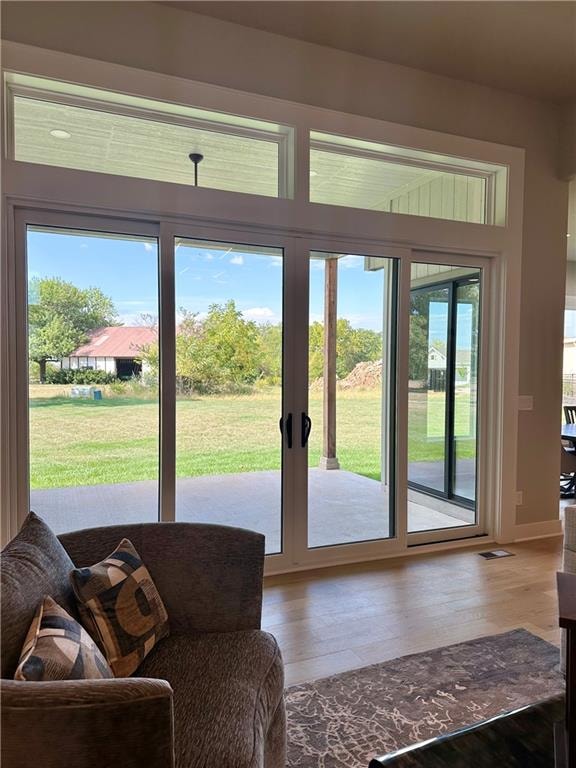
pixel 78 376
pixel 143 387
pixel 33 372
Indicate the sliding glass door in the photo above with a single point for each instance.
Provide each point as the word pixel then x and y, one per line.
pixel 351 361
pixel 443 396
pixel 204 375
pixel 228 378
pixel 92 387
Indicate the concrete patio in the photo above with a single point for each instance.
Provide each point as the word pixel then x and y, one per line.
pixel 343 507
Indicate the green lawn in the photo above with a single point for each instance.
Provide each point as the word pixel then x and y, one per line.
pixel 86 442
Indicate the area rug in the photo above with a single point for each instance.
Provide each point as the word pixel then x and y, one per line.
pixel 344 720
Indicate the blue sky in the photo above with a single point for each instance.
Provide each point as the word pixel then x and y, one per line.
pixel 570 324
pixel 126 271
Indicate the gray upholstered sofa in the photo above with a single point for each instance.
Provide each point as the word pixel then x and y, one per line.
pixel 211 694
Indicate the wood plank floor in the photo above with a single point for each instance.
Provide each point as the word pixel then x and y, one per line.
pixel 334 619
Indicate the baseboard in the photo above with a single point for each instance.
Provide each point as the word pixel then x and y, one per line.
pixel 542 530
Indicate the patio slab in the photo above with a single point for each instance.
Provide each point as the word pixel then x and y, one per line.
pixel 343 507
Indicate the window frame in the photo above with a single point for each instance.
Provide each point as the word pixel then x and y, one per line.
pixel 491 177
pixel 42 189
pixel 283 137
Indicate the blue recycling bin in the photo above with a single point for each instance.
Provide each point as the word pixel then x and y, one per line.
pixel 97 394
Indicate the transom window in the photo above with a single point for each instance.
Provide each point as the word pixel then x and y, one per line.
pixel 91 130
pixel 88 129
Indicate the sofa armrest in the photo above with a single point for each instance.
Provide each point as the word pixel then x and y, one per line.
pixel 87 723
pixel 209 576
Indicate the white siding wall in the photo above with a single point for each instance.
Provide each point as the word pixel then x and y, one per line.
pixel 460 198
pixel 107 364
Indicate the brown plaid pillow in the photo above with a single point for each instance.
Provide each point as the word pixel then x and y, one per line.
pixel 58 648
pixel 124 607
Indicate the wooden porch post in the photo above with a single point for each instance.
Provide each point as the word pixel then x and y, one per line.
pixel 328 460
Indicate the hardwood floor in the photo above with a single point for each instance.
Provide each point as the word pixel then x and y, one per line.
pixel 331 620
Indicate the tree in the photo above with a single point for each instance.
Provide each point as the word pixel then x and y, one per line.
pixel 353 346
pixel 61 316
pixel 222 351
pixel 271 352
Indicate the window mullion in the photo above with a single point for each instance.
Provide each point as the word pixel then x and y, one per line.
pixel 167 347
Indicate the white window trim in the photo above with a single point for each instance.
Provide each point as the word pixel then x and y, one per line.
pixel 27 185
pixel 282 138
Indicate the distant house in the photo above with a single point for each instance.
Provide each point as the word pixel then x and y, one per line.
pixel 436 358
pixel 115 350
pixel 437 362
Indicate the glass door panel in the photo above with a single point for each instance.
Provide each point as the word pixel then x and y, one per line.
pixel 229 339
pixel 93 391
pixel 351 399
pixel 427 376
pixel 442 396
pixel 466 388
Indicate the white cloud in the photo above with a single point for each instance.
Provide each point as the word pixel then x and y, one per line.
pixel 209 256
pixel 148 247
pixel 83 245
pixel 237 259
pixel 275 261
pixel 259 314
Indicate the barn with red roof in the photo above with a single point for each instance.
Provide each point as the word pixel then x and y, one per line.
pixel 116 350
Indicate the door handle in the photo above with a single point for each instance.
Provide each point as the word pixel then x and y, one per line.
pixel 288 433
pixel 306 428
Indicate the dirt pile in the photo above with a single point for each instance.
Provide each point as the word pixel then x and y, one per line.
pixel 363 376
pixel 366 375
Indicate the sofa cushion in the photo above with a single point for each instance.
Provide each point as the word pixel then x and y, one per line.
pixel 32 565
pixel 125 613
pixel 227 687
pixel 57 647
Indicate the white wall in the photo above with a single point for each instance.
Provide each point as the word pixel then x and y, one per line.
pixel 446 197
pixel 107 364
pixel 172 41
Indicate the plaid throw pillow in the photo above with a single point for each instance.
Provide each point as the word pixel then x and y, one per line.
pixel 122 606
pixel 58 648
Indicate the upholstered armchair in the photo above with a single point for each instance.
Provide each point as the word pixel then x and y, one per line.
pixel 210 694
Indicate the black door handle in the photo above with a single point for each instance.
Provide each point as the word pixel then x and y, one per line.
pixel 288 429
pixel 306 428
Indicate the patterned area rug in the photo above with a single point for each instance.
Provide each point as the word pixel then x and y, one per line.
pixel 345 720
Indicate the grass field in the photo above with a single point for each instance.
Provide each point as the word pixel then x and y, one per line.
pixel 87 442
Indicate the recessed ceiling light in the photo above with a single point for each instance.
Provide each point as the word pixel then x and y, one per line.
pixel 313 173
pixel 57 133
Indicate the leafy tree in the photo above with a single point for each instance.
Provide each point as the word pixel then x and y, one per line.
pixel 222 351
pixel 271 352
pixel 61 316
pixel 353 346
pixel 231 343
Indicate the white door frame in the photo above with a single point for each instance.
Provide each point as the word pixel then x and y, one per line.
pixel 485 436
pixel 295 552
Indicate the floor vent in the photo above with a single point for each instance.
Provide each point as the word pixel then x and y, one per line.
pixel 496 553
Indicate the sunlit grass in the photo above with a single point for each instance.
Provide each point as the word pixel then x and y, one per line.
pixel 115 440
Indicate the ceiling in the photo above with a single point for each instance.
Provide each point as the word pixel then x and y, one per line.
pixel 523 47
